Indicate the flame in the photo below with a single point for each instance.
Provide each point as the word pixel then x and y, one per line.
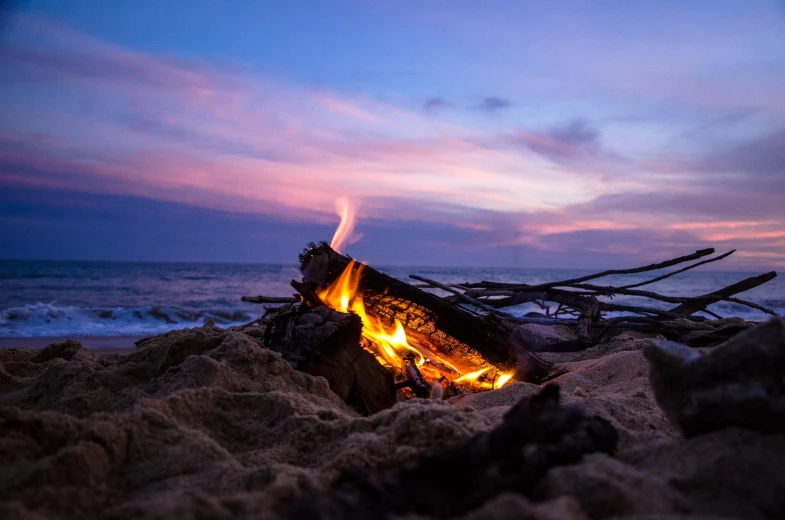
pixel 503 379
pixel 347 212
pixel 472 376
pixel 342 295
pixel 391 346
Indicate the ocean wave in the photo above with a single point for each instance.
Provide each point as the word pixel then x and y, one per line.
pixel 51 319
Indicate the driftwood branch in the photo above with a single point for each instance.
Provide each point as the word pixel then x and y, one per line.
pixel 672 273
pixel 460 295
pixel 585 301
pixel 700 302
pixel 269 299
pixel 611 272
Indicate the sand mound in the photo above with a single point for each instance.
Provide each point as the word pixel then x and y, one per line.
pixel 206 423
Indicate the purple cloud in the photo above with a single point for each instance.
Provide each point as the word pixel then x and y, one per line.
pixel 764 156
pixel 433 104
pixel 573 141
pixel 493 104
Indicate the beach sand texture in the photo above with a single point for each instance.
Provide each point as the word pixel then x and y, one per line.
pixel 205 423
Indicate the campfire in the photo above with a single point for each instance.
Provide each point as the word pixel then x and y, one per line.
pixel 378 340
pixel 391 346
pixel 419 364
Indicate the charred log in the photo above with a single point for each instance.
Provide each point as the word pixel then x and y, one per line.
pixel 323 342
pixel 488 335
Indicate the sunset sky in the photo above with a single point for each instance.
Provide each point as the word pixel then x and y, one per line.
pixel 533 134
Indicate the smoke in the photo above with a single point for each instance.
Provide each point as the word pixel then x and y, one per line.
pixel 343 235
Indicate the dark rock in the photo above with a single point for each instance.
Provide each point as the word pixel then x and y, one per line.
pixel 740 383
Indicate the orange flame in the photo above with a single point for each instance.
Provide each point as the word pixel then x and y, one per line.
pixel 342 296
pixel 391 347
pixel 503 379
pixel 347 211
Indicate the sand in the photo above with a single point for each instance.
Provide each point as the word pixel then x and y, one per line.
pixel 117 344
pixel 205 423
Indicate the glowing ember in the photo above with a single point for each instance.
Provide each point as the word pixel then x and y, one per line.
pixel 346 210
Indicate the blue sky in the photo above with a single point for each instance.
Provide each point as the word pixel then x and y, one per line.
pixel 512 133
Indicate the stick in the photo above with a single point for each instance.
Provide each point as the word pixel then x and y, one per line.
pixel 700 302
pixel 606 291
pixel 668 275
pixel 307 293
pixel 415 380
pixel 269 299
pixel 753 305
pixel 457 293
pixel 651 267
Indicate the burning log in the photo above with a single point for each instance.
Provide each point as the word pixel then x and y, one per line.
pixel 535 435
pixel 451 331
pixel 322 342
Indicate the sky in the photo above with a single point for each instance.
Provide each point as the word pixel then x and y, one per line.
pixel 495 133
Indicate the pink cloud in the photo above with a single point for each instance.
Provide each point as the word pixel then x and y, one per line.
pixel 186 131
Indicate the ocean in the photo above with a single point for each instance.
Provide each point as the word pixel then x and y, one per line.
pixel 110 299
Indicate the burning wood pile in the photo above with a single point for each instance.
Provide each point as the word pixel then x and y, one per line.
pixel 377 339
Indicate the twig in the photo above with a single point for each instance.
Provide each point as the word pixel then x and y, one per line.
pixel 269 299
pixel 468 299
pixel 307 293
pixel 673 314
pixel 750 304
pixel 700 302
pixel 668 275
pixel 651 267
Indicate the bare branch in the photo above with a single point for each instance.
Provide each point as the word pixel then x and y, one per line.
pixel 699 303
pixel 269 299
pixel 468 299
pixel 668 275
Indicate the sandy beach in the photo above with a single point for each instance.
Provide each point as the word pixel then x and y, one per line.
pixel 207 423
pixel 99 344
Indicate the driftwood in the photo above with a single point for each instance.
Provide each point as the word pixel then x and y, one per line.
pixel 269 299
pixel 535 435
pixel 700 302
pixel 322 342
pixel 577 298
pixel 422 313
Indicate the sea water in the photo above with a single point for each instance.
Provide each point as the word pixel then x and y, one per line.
pixel 105 299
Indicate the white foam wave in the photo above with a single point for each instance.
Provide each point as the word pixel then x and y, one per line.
pixel 51 319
